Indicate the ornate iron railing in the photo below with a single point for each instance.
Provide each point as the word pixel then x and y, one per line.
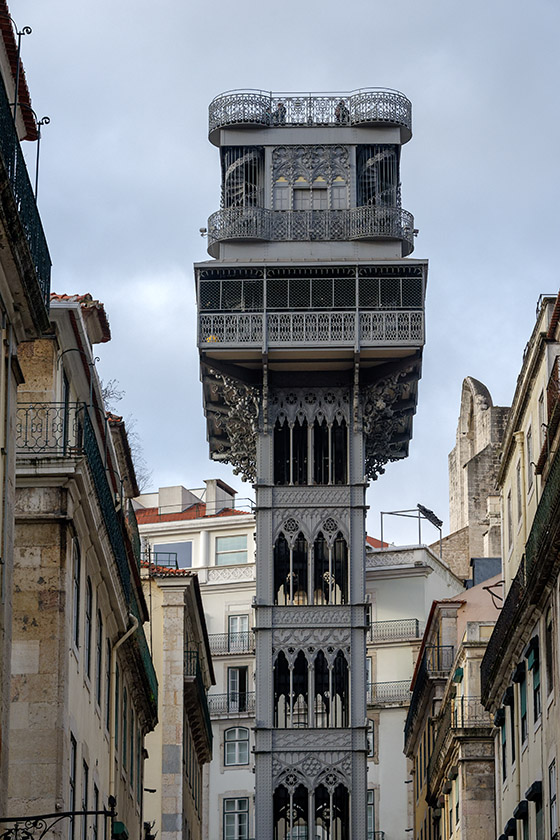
pixel 458 714
pixel 546 519
pixel 38 826
pixel 402 628
pixel 258 329
pixel 134 532
pixel 225 643
pixel 50 428
pixel 261 108
pixel 439 658
pixel 14 163
pixel 192 669
pixel 234 703
pixel 381 694
pixel 259 223
pixel 146 659
pixel 502 632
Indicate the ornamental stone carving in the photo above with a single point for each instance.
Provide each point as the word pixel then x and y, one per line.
pixel 383 424
pixel 310 522
pixel 221 574
pixel 333 616
pixel 312 769
pixel 299 404
pixel 236 416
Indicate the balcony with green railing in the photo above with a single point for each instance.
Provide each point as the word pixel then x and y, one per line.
pixel 21 201
pixel 196 704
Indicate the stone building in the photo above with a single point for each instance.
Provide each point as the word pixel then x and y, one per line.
pixel 310 332
pixel 520 669
pixel 448 733
pixel 474 511
pixel 24 300
pixel 181 743
pixel 84 692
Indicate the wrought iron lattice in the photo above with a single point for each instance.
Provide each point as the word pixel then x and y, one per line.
pixel 242 176
pixel 50 428
pixel 379 694
pixel 259 223
pixel 14 163
pixel 378 175
pixel 260 108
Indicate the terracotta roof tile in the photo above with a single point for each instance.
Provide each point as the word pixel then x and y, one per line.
pixel 10 45
pixel 88 303
pixel 196 511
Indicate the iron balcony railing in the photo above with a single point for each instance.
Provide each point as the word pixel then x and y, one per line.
pixel 50 429
pixel 384 694
pixel 226 643
pixel 146 659
pixel 367 106
pixel 274 329
pixel 260 223
pixel 14 164
pixel 192 669
pixel 545 522
pixel 402 628
pixel 232 704
pixel 439 658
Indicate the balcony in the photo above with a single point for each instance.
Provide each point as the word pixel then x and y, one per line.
pixel 436 663
pixel 223 644
pixel 234 704
pixel 265 330
pixel 388 693
pixel 396 630
pixel 196 705
pixel 264 109
pixel 19 205
pixel 260 224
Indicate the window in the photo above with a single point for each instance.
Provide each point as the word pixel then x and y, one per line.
pixel 85 786
pixel 236 746
pixel 131 756
pixel 230 550
pixel 124 727
pixel 98 657
pixel 539 822
pixel 552 798
pixel 549 650
pixel 518 489
pixel 236 819
pixel 139 766
pixel 542 420
pixel 371 815
pixel 523 708
pixel 533 664
pixel 76 571
pixel 530 465
pixel 108 685
pixel 87 635
pixel 371 738
pixel 177 555
pixel 237 689
pixel 95 827
pixel 512 731
pixel 509 517
pixel 238 633
pixel 117 708
pixel 72 783
pixel 503 734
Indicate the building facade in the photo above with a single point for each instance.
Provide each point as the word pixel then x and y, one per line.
pixel 310 332
pixel 520 668
pixel 24 300
pixel 83 687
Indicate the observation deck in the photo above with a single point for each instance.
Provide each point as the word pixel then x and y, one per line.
pixel 258 224
pixel 263 109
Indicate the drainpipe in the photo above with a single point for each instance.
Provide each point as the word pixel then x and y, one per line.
pixel 116 646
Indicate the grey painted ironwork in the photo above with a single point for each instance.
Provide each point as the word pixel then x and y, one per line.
pixel 387 693
pixel 259 223
pixel 16 169
pixel 311 328
pixel 232 704
pixel 226 643
pixel 367 106
pixel 403 628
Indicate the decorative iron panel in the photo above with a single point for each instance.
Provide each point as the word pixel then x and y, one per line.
pixel 50 429
pixel 380 694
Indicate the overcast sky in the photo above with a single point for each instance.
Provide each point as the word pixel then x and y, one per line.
pixel 128 177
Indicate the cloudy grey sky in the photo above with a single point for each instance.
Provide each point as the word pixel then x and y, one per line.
pixel 128 177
